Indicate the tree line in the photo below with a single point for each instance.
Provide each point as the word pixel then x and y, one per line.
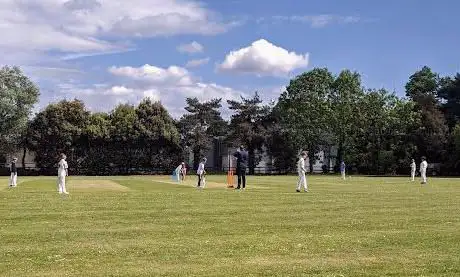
pixel 374 130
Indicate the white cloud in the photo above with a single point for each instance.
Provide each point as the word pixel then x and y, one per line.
pixel 318 21
pixel 263 58
pixel 197 62
pixel 104 97
pixel 191 48
pixel 34 28
pixel 153 94
pixel 119 90
pixel 49 72
pixel 315 21
pixel 74 56
pixel 173 80
pixel 169 85
pixel 154 75
pixel 206 91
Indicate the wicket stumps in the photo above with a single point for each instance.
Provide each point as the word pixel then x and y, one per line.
pixel 230 179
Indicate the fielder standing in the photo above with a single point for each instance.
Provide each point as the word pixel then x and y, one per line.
pixel 13 173
pixel 183 171
pixel 423 167
pixel 63 171
pixel 342 170
pixel 302 171
pixel 413 168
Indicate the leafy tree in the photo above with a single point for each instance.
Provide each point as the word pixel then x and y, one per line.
pixel 456 140
pixel 384 133
pixel 158 135
pixel 449 92
pixel 96 137
pixel 124 137
pixel 432 135
pixel 200 125
pixel 423 86
pixel 305 111
pixel 404 121
pixel 18 94
pixel 279 146
pixel 123 122
pixel 247 126
pixel 372 129
pixel 58 129
pixel 344 100
pixel 98 129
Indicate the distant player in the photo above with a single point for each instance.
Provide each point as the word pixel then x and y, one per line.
pixel 178 172
pixel 413 168
pixel 302 171
pixel 201 173
pixel 342 170
pixel 13 173
pixel 183 171
pixel 423 167
pixel 63 171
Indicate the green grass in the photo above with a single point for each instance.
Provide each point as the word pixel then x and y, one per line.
pixel 146 226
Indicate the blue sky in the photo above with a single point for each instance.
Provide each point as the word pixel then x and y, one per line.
pixel 108 52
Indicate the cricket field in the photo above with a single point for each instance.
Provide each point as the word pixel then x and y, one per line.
pixel 152 226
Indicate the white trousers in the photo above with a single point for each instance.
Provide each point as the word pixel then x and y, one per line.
pixel 302 181
pixel 61 184
pixel 412 174
pixel 203 182
pixel 13 179
pixel 343 175
pixel 423 175
pixel 178 175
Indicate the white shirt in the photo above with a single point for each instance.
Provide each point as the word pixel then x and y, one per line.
pixel 200 169
pixel 301 165
pixel 62 168
pixel 423 166
pixel 412 166
pixel 179 168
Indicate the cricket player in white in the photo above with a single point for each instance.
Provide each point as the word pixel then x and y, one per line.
pixel 201 173
pixel 62 173
pixel 423 167
pixel 183 171
pixel 178 172
pixel 343 169
pixel 302 171
pixel 13 173
pixel 413 168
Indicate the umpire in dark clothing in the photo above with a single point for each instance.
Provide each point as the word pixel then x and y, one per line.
pixel 241 156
